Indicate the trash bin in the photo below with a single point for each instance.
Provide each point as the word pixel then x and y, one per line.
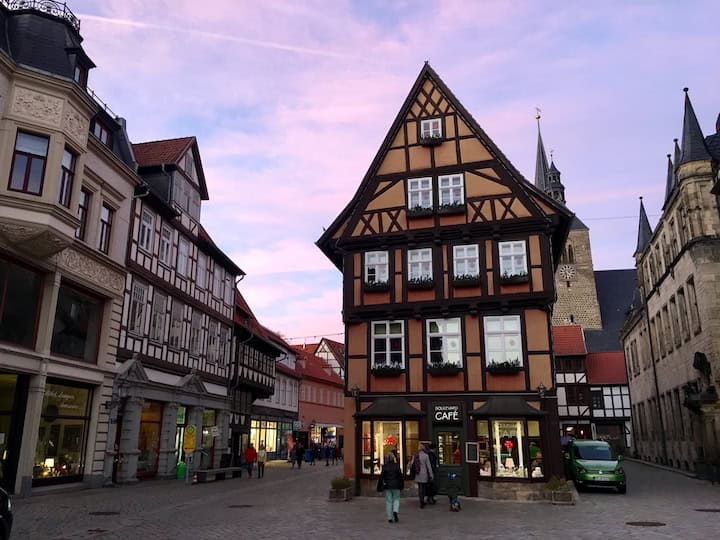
pixel 180 470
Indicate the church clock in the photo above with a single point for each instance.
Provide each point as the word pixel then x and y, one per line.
pixel 567 271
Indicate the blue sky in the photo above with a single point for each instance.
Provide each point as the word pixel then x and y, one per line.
pixel 291 100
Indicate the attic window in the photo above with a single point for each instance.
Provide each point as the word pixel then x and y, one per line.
pixel 102 132
pixel 80 75
pixel 431 131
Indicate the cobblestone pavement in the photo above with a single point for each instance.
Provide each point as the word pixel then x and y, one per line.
pixel 293 503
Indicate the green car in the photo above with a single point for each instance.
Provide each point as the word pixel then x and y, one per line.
pixel 593 463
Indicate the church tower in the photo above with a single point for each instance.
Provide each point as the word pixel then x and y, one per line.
pixel 577 301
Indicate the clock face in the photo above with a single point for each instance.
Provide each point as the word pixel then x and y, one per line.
pixel 567 271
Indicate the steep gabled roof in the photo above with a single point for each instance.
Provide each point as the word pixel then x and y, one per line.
pixel 693 141
pixel 316 368
pixel 644 230
pixel 170 152
pixel 606 368
pixel 541 163
pixel 578 225
pixel 615 293
pixel 207 243
pixel 568 340
pixel 328 242
pixel 337 349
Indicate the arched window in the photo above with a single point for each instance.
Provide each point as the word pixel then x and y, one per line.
pixel 571 255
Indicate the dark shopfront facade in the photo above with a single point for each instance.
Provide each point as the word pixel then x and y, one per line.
pixel 13 399
pixel 479 440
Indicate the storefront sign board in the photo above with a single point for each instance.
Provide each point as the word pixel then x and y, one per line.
pixel 189 439
pixel 447 413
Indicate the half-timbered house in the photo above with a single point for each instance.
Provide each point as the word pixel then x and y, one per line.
pixel 178 316
pixel 448 258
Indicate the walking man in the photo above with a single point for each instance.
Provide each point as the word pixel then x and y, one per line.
pixel 250 458
pixel 261 459
pixel 423 473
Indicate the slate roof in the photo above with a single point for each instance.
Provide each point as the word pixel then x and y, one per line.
pixel 712 142
pixel 670 181
pixel 568 340
pixel 606 368
pixel 506 407
pixel 161 152
pixel 693 143
pixel 644 230
pixel 541 164
pixel 615 290
pixel 578 225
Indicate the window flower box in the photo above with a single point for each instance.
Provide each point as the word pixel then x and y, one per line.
pixel 510 279
pixel 422 283
pixel 376 286
pixel 419 211
pixel 509 366
pixel 444 368
pixel 431 140
pixel 453 208
pixel 392 370
pixel 466 280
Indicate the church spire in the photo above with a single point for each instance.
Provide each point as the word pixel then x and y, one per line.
pixel 670 182
pixel 644 230
pixel 693 142
pixel 541 163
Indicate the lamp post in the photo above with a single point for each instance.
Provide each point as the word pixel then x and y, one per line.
pixel 355 392
pixel 541 392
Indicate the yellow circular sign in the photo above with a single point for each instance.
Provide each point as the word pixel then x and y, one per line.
pixel 189 439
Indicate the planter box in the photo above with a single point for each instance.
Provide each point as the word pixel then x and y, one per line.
pixel 451 209
pixel 562 497
pixel 377 286
pixel 424 284
pixel 466 282
pixel 501 370
pixel 444 370
pixel 419 212
pixel 387 371
pixel 339 495
pixel 430 141
pixel 510 280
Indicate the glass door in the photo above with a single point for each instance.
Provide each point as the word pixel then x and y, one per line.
pixel 449 448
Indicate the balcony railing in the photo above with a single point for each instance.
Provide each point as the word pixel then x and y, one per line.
pixel 51 7
pixel 99 101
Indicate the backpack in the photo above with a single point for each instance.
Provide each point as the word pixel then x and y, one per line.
pixel 415 466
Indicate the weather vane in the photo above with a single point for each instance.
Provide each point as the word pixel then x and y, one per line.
pixel 537 113
pixel 552 151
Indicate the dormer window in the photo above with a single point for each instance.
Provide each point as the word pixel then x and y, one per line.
pixel 431 131
pixel 102 132
pixel 80 75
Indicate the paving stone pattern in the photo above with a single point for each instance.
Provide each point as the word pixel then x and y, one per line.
pixel 291 503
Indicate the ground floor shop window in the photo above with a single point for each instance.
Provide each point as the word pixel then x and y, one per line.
pixel 510 449
pixel 19 303
pixel 149 439
pixel 381 437
pixel 448 448
pixel 59 455
pixel 13 395
pixel 264 432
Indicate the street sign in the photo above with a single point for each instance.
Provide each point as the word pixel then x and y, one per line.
pixel 215 431
pixel 297 425
pixel 189 439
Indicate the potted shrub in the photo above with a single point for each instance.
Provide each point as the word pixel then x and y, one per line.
pixel 431 139
pixel 452 208
pixel 560 491
pixel 340 489
pixel 419 211
pixel 509 279
pixel 387 370
pixel 509 366
pixel 443 368
pixel 466 280
pixel 376 286
pixel 421 283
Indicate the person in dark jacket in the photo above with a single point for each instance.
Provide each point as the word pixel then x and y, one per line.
pixel 392 482
pixel 299 452
pixel 432 487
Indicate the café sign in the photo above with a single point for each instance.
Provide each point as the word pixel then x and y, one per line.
pixel 447 413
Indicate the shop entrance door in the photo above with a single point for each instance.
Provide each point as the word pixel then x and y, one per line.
pixel 13 396
pixel 149 440
pixel 451 476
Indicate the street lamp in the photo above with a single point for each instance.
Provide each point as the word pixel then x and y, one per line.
pixel 541 390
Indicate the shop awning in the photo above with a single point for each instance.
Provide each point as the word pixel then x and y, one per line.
pixel 390 407
pixel 506 407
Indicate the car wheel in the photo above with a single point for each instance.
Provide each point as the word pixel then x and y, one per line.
pixel 622 490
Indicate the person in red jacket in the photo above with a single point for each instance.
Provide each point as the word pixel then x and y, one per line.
pixel 250 458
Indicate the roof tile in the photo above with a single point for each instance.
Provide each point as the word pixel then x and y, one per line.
pixel 161 152
pixel 606 368
pixel 568 340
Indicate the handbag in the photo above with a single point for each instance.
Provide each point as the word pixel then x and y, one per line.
pixel 381 484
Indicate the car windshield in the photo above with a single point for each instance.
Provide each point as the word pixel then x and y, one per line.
pixel 597 453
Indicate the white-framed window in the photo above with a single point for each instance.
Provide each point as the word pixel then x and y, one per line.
pixel 213 339
pixel 218 281
pixel 388 344
pixel 229 289
pixel 147 227
pixel 202 271
pixel 223 345
pixel 183 260
pixel 196 334
pixel 503 341
pixel 431 128
pixel 420 193
pixel 466 260
pixel 513 259
pixel 444 343
pixel 451 189
pixel 165 244
pixel 138 298
pixel 157 316
pixel 376 266
pixel 420 263
pixel 176 324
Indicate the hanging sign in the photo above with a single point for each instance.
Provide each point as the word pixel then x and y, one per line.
pixel 189 439
pixel 447 413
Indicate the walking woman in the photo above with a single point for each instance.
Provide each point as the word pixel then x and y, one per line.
pixel 391 482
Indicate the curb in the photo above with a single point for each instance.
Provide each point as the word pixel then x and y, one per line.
pixel 663 468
